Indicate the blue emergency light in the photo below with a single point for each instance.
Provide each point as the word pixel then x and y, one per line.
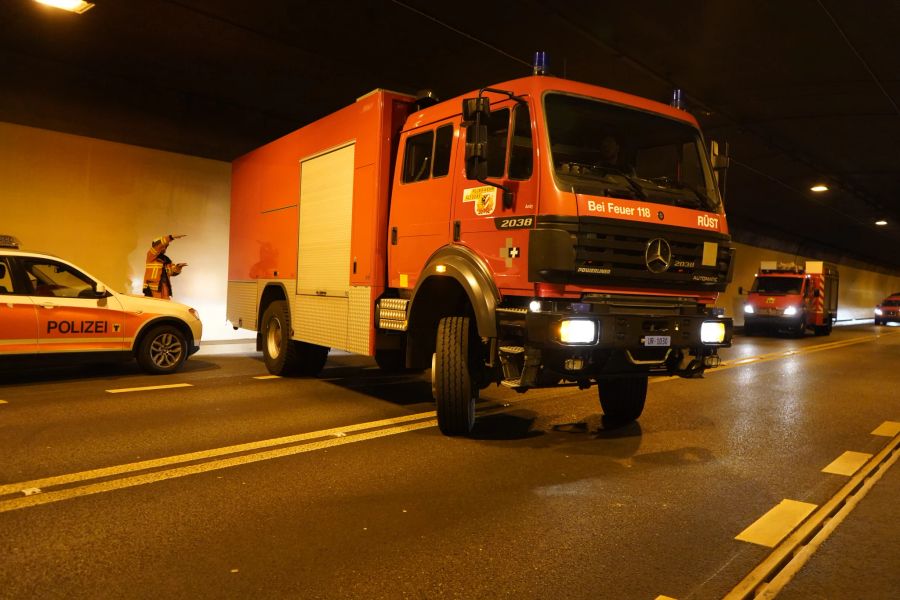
pixel 541 62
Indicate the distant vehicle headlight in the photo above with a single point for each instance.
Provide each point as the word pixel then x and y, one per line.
pixel 577 331
pixel 878 311
pixel 748 309
pixel 712 332
pixel 790 311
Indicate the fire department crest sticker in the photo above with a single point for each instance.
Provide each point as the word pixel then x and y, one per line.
pixel 484 197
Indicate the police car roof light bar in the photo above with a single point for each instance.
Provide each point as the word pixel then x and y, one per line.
pixel 9 241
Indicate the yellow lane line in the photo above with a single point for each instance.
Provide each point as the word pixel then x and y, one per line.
pixel 143 465
pixel 773 526
pixel 3 402
pixel 267 377
pixel 786 559
pixel 150 388
pixel 847 463
pixel 36 499
pixel 888 429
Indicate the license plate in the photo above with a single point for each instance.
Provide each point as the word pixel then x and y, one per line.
pixel 658 340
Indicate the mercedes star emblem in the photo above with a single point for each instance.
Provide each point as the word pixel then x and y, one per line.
pixel 658 255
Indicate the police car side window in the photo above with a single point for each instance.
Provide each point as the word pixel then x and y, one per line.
pixel 50 278
pixel 6 282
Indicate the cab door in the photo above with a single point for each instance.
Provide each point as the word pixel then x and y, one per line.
pixel 71 315
pixel 18 317
pixel 498 232
pixel 420 202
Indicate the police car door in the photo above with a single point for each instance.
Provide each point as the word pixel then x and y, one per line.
pixel 72 316
pixel 18 322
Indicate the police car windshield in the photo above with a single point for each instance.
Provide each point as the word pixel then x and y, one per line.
pixel 777 285
pixel 605 149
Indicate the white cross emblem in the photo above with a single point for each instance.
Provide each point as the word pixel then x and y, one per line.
pixel 509 252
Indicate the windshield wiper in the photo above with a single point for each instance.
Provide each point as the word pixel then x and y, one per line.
pixel 634 185
pixel 704 200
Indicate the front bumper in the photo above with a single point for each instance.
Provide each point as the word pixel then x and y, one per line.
pixel 631 338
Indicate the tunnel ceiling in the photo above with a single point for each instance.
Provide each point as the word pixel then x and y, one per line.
pixel 803 92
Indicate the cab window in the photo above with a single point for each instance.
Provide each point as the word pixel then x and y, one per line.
pixel 417 157
pixel 50 278
pixel 520 149
pixel 6 282
pixel 442 145
pixel 498 134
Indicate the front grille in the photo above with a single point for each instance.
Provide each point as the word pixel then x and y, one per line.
pixel 608 253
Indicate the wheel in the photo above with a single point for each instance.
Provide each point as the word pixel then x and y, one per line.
pixel 163 350
pixel 453 379
pixel 622 400
pixel 799 329
pixel 282 355
pixel 821 330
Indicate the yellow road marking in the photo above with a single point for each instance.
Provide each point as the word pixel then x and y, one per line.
pixel 267 377
pixel 847 463
pixel 3 402
pixel 224 463
pixel 149 388
pixel 888 429
pixel 144 465
pixel 776 524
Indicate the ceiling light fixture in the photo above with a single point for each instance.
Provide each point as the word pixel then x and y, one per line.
pixel 881 222
pixel 75 6
pixel 819 187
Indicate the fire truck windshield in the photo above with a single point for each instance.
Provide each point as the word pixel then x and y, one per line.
pixel 777 285
pixel 610 150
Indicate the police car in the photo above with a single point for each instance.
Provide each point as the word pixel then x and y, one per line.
pixel 51 308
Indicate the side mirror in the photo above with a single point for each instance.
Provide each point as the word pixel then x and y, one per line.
pixel 475 109
pixel 476 152
pixel 719 161
pixel 101 290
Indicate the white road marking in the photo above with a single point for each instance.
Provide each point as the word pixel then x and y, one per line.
pixel 150 388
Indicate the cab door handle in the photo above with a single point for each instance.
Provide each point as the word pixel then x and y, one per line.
pixel 48 305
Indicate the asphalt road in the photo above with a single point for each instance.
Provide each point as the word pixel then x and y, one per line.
pixel 341 486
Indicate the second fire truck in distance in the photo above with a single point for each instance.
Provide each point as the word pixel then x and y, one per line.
pixel 792 298
pixel 537 233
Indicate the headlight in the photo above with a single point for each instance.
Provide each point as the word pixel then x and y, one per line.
pixel 712 332
pixel 577 331
pixel 748 309
pixel 879 312
pixel 790 311
pixel 534 306
pixel 194 312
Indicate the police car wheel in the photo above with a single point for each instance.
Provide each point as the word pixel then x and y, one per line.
pixel 162 350
pixel 622 400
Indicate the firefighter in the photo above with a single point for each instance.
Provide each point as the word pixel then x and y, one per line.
pixel 160 268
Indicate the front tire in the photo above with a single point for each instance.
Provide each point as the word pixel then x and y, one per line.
pixel 622 400
pixel 453 382
pixel 284 356
pixel 163 350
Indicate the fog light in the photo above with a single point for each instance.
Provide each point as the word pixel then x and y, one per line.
pixel 574 364
pixel 748 309
pixel 790 311
pixel 712 332
pixel 577 331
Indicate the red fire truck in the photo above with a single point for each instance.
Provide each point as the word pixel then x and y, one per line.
pixel 541 232
pixel 792 298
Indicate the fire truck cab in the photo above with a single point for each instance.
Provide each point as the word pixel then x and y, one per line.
pixel 537 233
pixel 792 298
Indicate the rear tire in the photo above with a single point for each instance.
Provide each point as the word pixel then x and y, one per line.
pixel 163 350
pixel 622 400
pixel 453 382
pixel 284 356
